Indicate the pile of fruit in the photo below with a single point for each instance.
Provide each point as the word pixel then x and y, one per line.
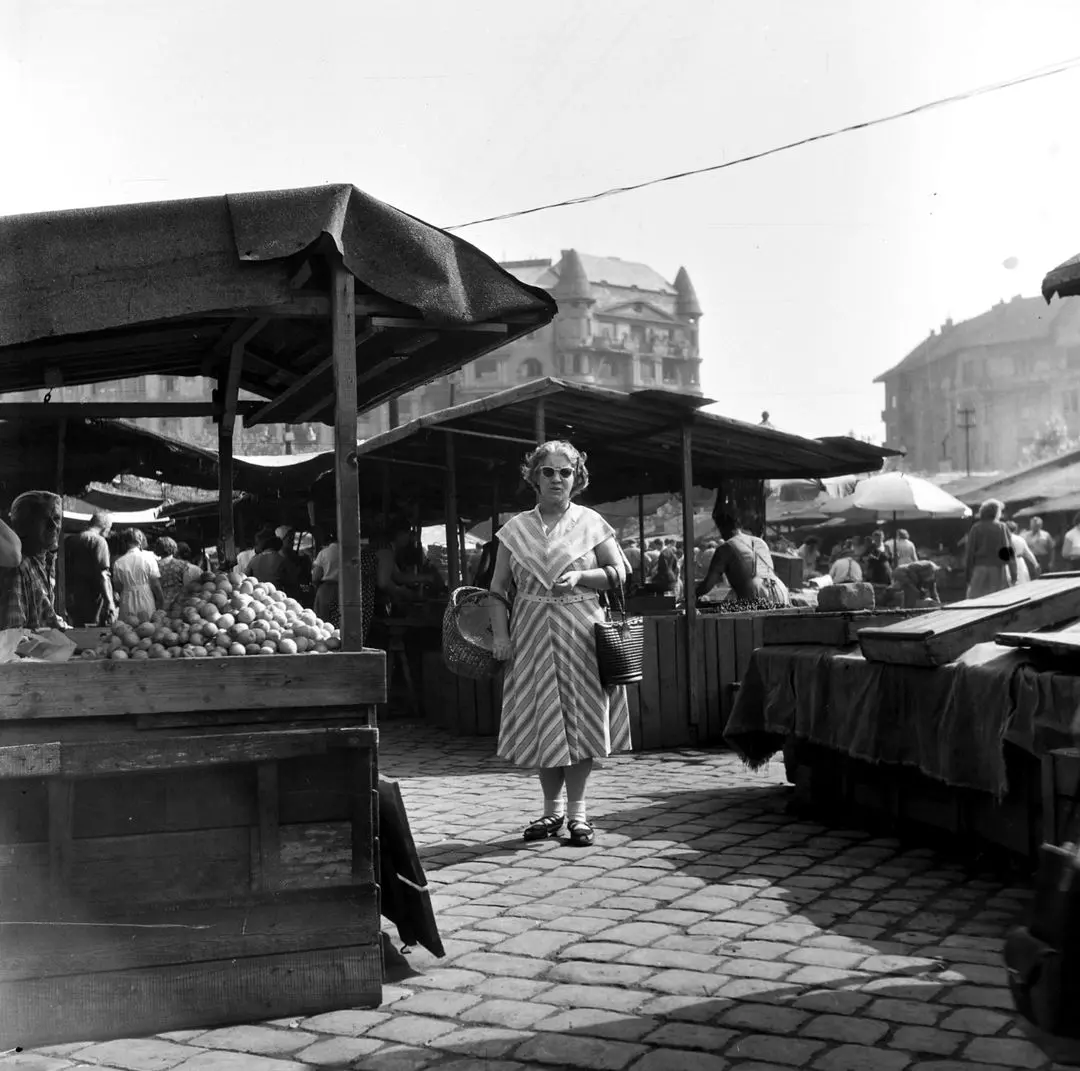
pixel 228 614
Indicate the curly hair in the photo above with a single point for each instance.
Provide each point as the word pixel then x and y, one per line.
pixel 577 458
pixel 991 510
pixel 132 537
pixel 165 547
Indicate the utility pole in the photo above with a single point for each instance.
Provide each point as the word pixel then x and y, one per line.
pixel 967 422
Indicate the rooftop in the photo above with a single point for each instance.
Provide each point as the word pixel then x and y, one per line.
pixel 603 271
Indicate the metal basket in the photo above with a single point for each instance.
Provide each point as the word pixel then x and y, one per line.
pixel 467 638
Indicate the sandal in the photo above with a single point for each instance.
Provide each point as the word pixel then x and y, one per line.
pixel 581 833
pixel 544 827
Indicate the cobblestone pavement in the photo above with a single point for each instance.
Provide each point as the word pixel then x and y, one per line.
pixel 707 929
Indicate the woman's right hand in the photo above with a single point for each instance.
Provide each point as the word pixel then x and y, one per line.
pixel 501 650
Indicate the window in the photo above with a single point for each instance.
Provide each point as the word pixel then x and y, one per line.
pixel 671 373
pixel 170 385
pixel 530 369
pixel 648 371
pixel 486 368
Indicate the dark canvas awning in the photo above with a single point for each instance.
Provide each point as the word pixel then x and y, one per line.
pixel 1064 280
pixel 92 295
pixel 634 443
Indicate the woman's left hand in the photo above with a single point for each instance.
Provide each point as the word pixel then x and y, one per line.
pixel 567 582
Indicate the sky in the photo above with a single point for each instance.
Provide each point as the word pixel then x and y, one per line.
pixel 817 269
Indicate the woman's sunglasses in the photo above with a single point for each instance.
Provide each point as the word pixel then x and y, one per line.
pixel 549 473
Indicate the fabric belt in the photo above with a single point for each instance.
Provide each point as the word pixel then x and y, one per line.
pixel 560 598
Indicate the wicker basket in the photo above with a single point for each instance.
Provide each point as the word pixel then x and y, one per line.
pixel 467 638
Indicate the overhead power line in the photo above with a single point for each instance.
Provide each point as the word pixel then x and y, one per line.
pixel 1043 72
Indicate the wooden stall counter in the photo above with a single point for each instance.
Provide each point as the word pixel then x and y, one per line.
pixel 163 842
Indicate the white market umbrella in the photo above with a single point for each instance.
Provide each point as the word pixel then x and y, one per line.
pixel 906 496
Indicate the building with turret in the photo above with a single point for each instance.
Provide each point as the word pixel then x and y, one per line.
pixel 620 325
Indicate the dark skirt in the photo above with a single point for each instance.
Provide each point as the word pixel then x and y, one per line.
pixel 327 604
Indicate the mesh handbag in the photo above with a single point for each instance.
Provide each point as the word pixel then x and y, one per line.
pixel 467 638
pixel 1043 957
pixel 620 640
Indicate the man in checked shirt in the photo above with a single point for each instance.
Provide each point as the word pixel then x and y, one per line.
pixel 27 590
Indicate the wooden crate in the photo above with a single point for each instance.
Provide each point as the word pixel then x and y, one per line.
pixel 838 629
pixel 1060 783
pixel 164 862
pixel 942 636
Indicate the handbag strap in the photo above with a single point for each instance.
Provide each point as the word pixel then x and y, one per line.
pixel 616 598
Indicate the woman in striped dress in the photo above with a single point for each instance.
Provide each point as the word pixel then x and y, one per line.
pixel 556 716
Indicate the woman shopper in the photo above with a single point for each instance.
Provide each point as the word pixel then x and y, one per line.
pixel 990 562
pixel 176 573
pixel 556 715
pixel 137 578
pixel 1027 565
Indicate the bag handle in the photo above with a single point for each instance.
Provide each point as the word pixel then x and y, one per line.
pixel 616 598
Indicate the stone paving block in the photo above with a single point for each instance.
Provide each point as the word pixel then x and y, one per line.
pixel 980 997
pixel 500 963
pixel 686 1035
pixel 729 931
pixel 632 905
pixel 637 934
pixel 685 1009
pixel 686 983
pixel 415 1030
pixel 441 1003
pixel 139 1054
pixel 34 1061
pixel 580 924
pixel 567 1050
pixel 1011 1052
pixel 581 973
pixel 598 1022
pixel 540 911
pixel 237 1061
pixel 784 932
pixel 796 1052
pixel 759 949
pixel 680 1060
pixel 763 1018
pixel 982 1022
pixel 861 1058
pixel 444 978
pixel 479 937
pixel 927 1039
pixel 336 1052
pixel 510 988
pixel 539 943
pixel 481 1042
pixel 263 1040
pixel 817 976
pixel 847 1028
pixel 757 968
pixel 908 1012
pixel 511 1014
pixel 669 957
pixel 398 1058
pixel 832 1001
pixel 903 988
pixel 472 1063
pixel 594 951
pixel 672 917
pixel 832 958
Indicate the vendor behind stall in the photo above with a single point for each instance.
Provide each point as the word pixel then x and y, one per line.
pixel 28 589
pixel 913 584
pixel 746 562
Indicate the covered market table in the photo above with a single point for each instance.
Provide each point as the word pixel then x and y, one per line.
pixel 153 814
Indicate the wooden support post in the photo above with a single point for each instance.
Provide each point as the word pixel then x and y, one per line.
pixel 393 418
pixel 229 388
pixel 343 324
pixel 641 535
pixel 541 426
pixel 60 596
pixel 692 637
pixel 453 529
pixel 494 503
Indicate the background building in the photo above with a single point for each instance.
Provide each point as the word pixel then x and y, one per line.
pixel 1005 373
pixel 620 325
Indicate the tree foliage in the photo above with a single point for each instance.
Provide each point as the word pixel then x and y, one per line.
pixel 1051 440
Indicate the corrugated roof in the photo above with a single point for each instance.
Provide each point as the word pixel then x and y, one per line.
pixel 1019 320
pixel 1052 478
pixel 633 442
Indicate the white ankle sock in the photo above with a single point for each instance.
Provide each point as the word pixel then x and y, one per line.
pixel 554 808
pixel 576 812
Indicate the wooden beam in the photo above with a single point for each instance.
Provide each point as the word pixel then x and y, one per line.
pixel 304 306
pixel 343 333
pixel 60 601
pixel 228 389
pixel 540 426
pixel 416 325
pixel 693 640
pixel 266 415
pixel 489 435
pixel 113 410
pixel 453 534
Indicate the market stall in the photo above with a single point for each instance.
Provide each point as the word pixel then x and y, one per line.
pixel 464 463
pixel 157 813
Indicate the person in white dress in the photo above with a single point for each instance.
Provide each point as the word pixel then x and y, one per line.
pixel 556 715
pixel 137 578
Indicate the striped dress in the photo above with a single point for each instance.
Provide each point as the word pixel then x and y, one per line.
pixel 555 712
